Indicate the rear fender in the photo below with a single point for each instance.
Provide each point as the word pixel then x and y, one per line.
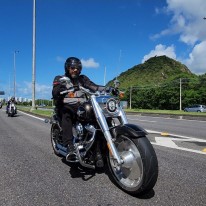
pixel 131 130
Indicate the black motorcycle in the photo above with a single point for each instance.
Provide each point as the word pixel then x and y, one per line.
pixel 104 138
pixel 11 109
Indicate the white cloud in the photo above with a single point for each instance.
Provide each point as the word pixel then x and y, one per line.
pixel 42 91
pixel 197 60
pixel 187 22
pixel 159 51
pixel 90 63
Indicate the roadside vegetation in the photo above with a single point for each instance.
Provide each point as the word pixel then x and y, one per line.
pixel 159 83
pixel 48 111
pixel 156 87
pixel 169 112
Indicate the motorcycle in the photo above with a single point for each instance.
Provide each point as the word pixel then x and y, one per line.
pixel 1 105
pixel 11 110
pixel 103 138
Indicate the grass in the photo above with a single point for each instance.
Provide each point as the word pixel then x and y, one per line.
pixel 48 113
pixel 41 112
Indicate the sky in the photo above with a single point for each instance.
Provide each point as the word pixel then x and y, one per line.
pixel 109 36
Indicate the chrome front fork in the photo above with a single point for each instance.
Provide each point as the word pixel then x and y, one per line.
pixel 103 124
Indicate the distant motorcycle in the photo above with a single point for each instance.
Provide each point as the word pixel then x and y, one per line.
pixel 12 110
pixel 103 138
pixel 0 105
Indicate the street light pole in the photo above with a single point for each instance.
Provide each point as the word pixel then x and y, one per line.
pixel 130 97
pixel 15 52
pixel 180 94
pixel 34 55
pixel 105 69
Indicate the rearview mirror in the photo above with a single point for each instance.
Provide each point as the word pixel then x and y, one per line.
pixel 65 79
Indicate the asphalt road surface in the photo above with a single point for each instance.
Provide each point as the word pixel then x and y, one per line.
pixel 30 173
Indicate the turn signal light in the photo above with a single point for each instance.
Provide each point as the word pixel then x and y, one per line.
pixel 71 94
pixel 121 95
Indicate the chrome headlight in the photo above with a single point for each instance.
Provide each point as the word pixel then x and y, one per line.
pixel 111 105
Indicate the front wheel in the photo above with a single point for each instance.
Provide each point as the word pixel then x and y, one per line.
pixel 138 174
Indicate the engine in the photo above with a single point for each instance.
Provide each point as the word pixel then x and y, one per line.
pixel 85 112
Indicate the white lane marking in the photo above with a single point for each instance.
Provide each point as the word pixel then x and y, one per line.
pixel 189 140
pixel 180 137
pixel 32 116
pixel 165 142
pixel 181 148
pixel 141 120
pixel 180 119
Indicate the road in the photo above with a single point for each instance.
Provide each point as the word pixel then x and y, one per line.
pixel 192 128
pixel 32 175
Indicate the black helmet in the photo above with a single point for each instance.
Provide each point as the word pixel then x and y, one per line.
pixel 12 98
pixel 72 62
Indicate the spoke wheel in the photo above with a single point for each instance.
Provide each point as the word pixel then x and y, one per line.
pixel 139 171
pixel 131 171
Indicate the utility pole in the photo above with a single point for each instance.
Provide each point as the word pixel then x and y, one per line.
pixel 130 97
pixel 15 52
pixel 105 70
pixel 180 94
pixel 34 55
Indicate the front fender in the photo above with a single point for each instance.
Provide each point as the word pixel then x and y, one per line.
pixel 130 130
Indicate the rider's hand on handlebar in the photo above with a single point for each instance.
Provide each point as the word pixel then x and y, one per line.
pixel 62 88
pixel 115 91
pixel 112 90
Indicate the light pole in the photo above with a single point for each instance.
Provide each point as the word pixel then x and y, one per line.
pixel 180 94
pixel 105 69
pixel 130 97
pixel 34 55
pixel 15 52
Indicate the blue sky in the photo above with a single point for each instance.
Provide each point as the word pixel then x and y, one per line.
pixel 107 35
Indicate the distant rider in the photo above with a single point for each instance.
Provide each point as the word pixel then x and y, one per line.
pixel 12 100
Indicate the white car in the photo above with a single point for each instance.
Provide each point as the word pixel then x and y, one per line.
pixel 195 108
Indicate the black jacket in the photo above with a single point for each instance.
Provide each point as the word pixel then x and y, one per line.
pixel 82 80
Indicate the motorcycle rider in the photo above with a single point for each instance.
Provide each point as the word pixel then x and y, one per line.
pixel 67 104
pixel 12 100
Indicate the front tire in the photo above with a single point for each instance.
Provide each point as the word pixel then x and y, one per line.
pixel 138 174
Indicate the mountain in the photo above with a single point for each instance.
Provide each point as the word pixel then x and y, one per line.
pixel 154 71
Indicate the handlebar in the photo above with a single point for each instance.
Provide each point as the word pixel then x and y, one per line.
pixel 86 91
pixel 67 91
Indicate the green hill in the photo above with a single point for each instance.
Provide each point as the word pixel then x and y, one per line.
pixel 155 71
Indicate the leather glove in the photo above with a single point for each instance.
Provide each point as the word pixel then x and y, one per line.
pixel 115 91
pixel 62 88
pixel 112 90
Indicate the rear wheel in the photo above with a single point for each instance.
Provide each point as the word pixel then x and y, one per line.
pixel 55 138
pixel 138 174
